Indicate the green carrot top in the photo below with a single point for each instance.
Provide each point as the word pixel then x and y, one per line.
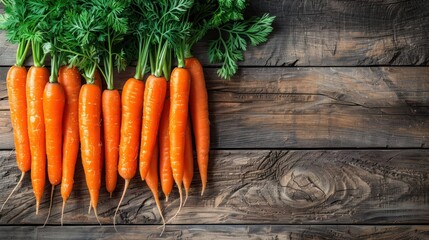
pixel 230 30
pixel 14 22
pixel 94 35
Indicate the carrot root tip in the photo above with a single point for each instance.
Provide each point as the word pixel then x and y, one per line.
pixel 13 190
pixel 96 216
pixel 62 211
pixel 186 198
pixel 127 183
pixel 50 205
pixel 180 203
pixel 203 189
pixel 158 205
pixel 37 207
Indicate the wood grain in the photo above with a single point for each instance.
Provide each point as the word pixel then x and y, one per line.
pixel 215 232
pixel 329 33
pixel 311 107
pixel 257 187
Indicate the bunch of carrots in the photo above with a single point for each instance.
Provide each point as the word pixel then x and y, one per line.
pixel 153 124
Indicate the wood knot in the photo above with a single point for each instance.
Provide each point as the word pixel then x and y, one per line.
pixel 303 188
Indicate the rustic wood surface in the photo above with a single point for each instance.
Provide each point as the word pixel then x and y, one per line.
pixel 257 187
pixel 310 107
pixel 330 33
pixel 215 232
pixel 356 76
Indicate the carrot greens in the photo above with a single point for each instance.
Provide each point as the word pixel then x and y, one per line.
pixel 14 22
pixel 97 30
pixel 231 31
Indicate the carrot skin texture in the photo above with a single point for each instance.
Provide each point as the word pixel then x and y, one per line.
pixel 180 81
pixel 152 174
pixel 199 111
pixel 70 79
pixel 89 132
pixel 132 110
pixel 153 102
pixel 165 172
pixel 131 119
pixel 152 179
pixel 188 173
pixel 37 78
pixel 16 91
pixel 111 108
pixel 53 108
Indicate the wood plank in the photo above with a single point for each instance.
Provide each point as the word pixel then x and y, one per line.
pixel 257 187
pixel 311 107
pixel 329 33
pixel 290 232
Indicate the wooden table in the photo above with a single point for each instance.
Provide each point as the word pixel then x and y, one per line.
pixel 322 134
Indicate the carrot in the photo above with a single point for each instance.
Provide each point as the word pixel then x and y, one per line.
pixel 188 173
pixel 70 79
pixel 16 82
pixel 37 78
pixel 152 181
pixel 180 81
pixel 89 132
pixel 198 101
pixel 53 108
pixel 132 106
pixel 165 172
pixel 111 108
pixel 153 102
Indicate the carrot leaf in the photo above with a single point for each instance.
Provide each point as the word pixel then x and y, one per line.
pixel 232 41
pixel 14 22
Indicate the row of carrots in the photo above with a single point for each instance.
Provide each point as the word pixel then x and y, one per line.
pixel 149 125
pixel 52 116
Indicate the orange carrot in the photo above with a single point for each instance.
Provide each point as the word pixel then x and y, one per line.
pixel 37 78
pixel 89 132
pixel 132 109
pixel 198 101
pixel 180 81
pixel 153 102
pixel 53 107
pixel 70 79
pixel 152 181
pixel 165 172
pixel 188 173
pixel 111 108
pixel 16 82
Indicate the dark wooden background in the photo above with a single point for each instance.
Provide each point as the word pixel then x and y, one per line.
pixel 322 134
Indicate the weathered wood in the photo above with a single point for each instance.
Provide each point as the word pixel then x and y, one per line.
pixel 289 232
pixel 257 187
pixel 310 107
pixel 330 33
